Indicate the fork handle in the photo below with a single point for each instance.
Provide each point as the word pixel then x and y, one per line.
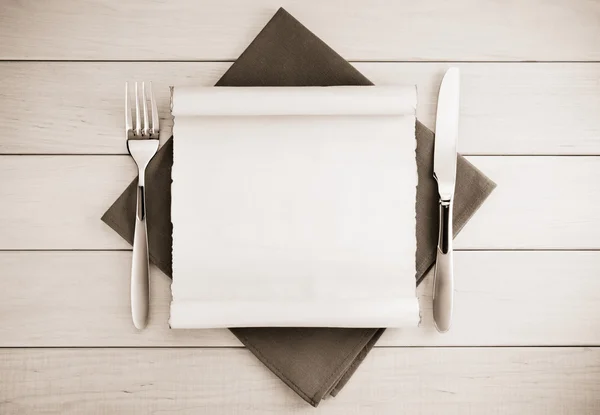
pixel 140 265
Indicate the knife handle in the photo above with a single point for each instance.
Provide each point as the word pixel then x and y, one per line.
pixel 443 280
pixel 140 265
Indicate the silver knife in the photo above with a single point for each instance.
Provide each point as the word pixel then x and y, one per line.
pixel 444 171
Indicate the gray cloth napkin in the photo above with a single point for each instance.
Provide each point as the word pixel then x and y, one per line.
pixel 314 362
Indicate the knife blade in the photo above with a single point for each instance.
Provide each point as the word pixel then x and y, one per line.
pixel 444 172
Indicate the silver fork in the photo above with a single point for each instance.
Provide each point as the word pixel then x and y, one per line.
pixel 142 144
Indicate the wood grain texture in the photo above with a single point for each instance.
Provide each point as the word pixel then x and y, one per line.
pixel 375 30
pixel 52 202
pixel 540 203
pixel 505 108
pixel 512 381
pixel 80 299
pixel 55 202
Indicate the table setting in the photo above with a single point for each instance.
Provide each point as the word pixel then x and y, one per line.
pixel 317 207
pixel 296 204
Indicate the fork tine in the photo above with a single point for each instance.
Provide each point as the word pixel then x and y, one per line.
pixel 155 127
pixel 128 122
pixel 146 127
pixel 138 123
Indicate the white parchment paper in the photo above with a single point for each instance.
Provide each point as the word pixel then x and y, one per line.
pixel 294 207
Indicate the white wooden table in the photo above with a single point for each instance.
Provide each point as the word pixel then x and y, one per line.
pixel 527 319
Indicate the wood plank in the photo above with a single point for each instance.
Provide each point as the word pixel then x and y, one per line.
pixel 81 299
pixel 376 30
pixel 190 381
pixel 540 203
pixel 55 202
pixel 505 108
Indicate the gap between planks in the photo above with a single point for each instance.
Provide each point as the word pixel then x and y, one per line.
pixel 350 61
pixel 465 154
pixel 486 346
pixel 455 250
